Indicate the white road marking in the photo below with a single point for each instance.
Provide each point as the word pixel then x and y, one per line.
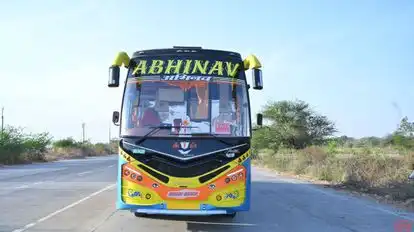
pixel 22 187
pixel 223 223
pixel 28 185
pixel 83 173
pixel 63 209
pixel 110 166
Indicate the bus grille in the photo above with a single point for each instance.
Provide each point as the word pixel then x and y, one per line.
pixel 190 168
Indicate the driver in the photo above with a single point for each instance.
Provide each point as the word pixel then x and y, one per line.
pixel 150 116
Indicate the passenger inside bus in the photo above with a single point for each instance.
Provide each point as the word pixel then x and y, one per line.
pixel 199 108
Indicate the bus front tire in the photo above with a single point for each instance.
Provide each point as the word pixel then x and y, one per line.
pixel 140 214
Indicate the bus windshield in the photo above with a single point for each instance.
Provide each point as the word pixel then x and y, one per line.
pixel 189 105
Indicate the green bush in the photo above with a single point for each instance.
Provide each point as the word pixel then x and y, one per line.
pixel 18 147
pixel 66 143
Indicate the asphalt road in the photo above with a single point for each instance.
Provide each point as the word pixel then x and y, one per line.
pixel 79 195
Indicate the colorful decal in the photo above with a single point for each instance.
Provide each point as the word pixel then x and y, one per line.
pixel 233 195
pixel 179 66
pixel 132 193
pixel 235 176
pixel 183 77
pixel 185 193
pixel 148 190
pixel 184 147
pixel 242 158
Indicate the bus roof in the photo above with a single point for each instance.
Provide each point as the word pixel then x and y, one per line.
pixel 180 50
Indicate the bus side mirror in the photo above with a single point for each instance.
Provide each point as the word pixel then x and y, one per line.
pixel 113 76
pixel 257 79
pixel 259 119
pixel 115 118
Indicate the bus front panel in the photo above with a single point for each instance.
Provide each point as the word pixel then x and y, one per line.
pixel 144 188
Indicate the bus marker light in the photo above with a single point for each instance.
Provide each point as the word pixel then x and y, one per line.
pixel 227 180
pixel 234 178
pixel 139 178
pixel 218 198
pixel 148 196
pixel 233 173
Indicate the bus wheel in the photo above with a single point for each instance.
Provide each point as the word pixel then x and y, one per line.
pixel 139 214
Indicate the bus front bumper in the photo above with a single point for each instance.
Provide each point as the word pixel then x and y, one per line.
pixel 181 212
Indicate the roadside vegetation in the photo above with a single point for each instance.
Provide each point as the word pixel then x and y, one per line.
pixel 17 147
pixel 297 140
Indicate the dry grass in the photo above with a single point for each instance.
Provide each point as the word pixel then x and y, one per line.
pixel 370 172
pixel 75 153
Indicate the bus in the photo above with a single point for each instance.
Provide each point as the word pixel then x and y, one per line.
pixel 185 129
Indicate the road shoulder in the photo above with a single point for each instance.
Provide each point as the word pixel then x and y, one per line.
pixel 405 206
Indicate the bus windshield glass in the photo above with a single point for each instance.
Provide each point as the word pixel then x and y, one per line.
pixel 186 105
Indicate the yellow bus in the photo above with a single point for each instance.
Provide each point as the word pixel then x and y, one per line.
pixel 185 129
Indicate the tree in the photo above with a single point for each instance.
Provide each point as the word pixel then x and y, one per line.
pixel 292 124
pixel 403 137
pixel 406 128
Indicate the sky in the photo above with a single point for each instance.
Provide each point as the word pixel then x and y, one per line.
pixel 350 60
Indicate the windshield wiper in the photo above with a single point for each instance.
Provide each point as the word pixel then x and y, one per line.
pixel 216 137
pixel 154 129
pixel 157 128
